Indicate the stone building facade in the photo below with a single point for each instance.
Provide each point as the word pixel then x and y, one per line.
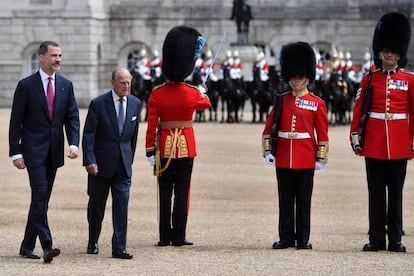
pixel 97 36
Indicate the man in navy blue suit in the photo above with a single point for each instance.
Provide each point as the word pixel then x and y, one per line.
pixel 109 142
pixel 43 104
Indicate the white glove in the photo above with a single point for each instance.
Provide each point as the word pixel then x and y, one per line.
pixel 151 160
pixel 319 165
pixel 270 159
pixel 203 89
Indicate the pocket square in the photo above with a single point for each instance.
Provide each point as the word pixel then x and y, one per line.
pixel 134 118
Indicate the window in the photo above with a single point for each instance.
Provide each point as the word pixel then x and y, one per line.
pixel 131 59
pixel 34 63
pixel 30 59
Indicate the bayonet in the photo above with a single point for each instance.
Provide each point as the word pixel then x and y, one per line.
pixel 214 58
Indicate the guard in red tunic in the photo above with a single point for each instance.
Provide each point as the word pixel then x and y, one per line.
pixel 170 142
pixel 382 130
pixel 298 128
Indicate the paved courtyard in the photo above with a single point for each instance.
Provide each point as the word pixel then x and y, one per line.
pixel 233 216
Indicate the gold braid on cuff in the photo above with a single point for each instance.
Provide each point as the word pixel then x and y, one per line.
pixel 322 155
pixel 266 144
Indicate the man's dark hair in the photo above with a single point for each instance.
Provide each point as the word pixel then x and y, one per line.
pixel 43 47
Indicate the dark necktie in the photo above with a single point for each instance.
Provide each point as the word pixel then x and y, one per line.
pixel 121 116
pixel 50 97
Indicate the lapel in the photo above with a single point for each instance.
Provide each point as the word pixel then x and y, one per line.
pixel 128 116
pixel 110 108
pixel 40 93
pixel 59 94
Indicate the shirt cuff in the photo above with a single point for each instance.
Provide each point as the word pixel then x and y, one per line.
pixel 16 156
pixel 74 147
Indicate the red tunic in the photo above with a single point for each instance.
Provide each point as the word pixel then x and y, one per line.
pixel 392 94
pixel 303 116
pixel 174 101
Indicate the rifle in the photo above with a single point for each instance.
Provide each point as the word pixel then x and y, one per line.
pixel 157 165
pixel 277 110
pixel 366 104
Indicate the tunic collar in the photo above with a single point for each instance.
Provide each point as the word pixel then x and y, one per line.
pixel 390 72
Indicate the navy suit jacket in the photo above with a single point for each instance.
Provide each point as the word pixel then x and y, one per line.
pixel 31 132
pixel 102 143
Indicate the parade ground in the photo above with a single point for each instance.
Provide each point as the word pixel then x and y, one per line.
pixel 233 219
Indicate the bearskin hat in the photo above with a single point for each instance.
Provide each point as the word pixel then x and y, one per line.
pixel 393 32
pixel 181 48
pixel 297 59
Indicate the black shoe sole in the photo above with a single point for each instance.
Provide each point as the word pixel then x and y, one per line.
pixel 162 243
pixel 283 245
pixel 49 257
pixel 182 243
pixel 32 256
pixel 92 251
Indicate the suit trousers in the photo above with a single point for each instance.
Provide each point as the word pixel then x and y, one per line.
pixel 98 191
pixel 177 178
pixel 385 176
pixel 295 191
pixel 41 180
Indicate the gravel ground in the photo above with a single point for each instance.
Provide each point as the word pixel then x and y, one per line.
pixel 233 217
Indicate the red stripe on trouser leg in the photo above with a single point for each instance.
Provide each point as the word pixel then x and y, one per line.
pixel 188 198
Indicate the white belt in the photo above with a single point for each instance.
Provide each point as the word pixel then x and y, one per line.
pixel 293 135
pixel 388 116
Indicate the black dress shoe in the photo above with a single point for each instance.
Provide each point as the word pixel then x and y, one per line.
pixel 373 246
pixel 121 254
pixel 92 249
pixel 163 243
pixel 283 244
pixel 181 243
pixel 50 253
pixel 396 247
pixel 28 253
pixel 304 245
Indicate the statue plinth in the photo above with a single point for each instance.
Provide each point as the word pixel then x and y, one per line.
pixel 247 53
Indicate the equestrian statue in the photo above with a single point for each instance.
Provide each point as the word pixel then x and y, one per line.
pixel 241 12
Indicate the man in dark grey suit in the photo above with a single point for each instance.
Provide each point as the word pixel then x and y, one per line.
pixel 109 142
pixel 43 104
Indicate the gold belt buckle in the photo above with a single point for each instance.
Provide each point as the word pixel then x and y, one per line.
pixel 388 116
pixel 292 135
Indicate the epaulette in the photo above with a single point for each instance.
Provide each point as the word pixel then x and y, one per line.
pixel 316 96
pixel 191 85
pixel 375 71
pixel 159 85
pixel 408 71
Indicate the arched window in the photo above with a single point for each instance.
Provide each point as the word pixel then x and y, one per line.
pixel 129 54
pixel 132 58
pixel 30 59
pixel 34 63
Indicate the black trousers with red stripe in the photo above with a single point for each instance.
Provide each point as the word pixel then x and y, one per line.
pixel 385 186
pixel 176 179
pixel 295 192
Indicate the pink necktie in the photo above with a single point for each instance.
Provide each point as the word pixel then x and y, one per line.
pixel 50 97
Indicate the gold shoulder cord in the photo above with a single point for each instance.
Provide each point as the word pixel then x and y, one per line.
pixel 158 170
